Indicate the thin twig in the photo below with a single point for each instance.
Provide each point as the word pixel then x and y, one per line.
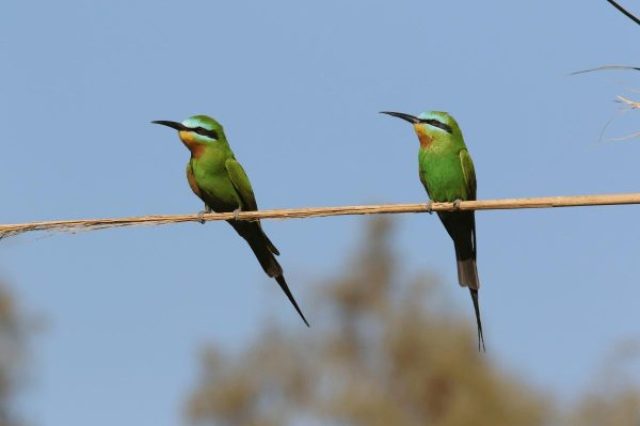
pixel 633 135
pixel 612 67
pixel 624 11
pixel 630 103
pixel 300 213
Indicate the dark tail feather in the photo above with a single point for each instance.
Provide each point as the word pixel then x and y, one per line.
pixel 467 271
pixel 462 230
pixel 285 288
pixel 466 262
pixel 476 307
pixel 264 251
pixel 272 248
pixel 461 226
pixel 265 257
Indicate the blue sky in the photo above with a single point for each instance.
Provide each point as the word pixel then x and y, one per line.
pixel 298 86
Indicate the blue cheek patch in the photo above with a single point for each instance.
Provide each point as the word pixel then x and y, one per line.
pixel 436 115
pixel 189 122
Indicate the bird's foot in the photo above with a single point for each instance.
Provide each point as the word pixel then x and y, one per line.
pixel 236 213
pixel 456 204
pixel 201 214
pixel 429 207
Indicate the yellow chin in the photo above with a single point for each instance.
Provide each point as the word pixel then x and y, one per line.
pixel 187 137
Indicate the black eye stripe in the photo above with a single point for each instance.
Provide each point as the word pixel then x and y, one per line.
pixel 438 124
pixel 204 132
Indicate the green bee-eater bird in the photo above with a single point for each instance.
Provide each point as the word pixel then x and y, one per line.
pixel 448 175
pixel 219 180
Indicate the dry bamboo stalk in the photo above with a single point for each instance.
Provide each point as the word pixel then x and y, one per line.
pixel 308 212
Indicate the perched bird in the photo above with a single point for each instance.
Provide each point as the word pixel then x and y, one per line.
pixel 447 173
pixel 219 180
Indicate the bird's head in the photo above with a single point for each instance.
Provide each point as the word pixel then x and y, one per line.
pixel 197 132
pixel 431 126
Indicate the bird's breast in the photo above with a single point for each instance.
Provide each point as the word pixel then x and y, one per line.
pixel 212 179
pixel 196 148
pixel 424 138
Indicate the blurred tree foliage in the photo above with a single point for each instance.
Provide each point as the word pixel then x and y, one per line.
pixel 14 331
pixel 388 352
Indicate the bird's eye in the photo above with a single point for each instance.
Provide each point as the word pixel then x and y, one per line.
pixel 438 124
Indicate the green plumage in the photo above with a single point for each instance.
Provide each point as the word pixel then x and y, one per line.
pixel 219 180
pixel 448 175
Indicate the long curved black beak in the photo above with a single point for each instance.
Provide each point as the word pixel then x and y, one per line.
pixel 406 117
pixel 172 124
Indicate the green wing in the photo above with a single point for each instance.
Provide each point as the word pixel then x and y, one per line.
pixel 242 185
pixel 469 173
pixel 240 182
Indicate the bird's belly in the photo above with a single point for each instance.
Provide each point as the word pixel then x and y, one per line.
pixel 444 184
pixel 217 192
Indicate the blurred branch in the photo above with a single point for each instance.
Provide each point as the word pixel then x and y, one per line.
pixel 309 212
pixel 624 11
